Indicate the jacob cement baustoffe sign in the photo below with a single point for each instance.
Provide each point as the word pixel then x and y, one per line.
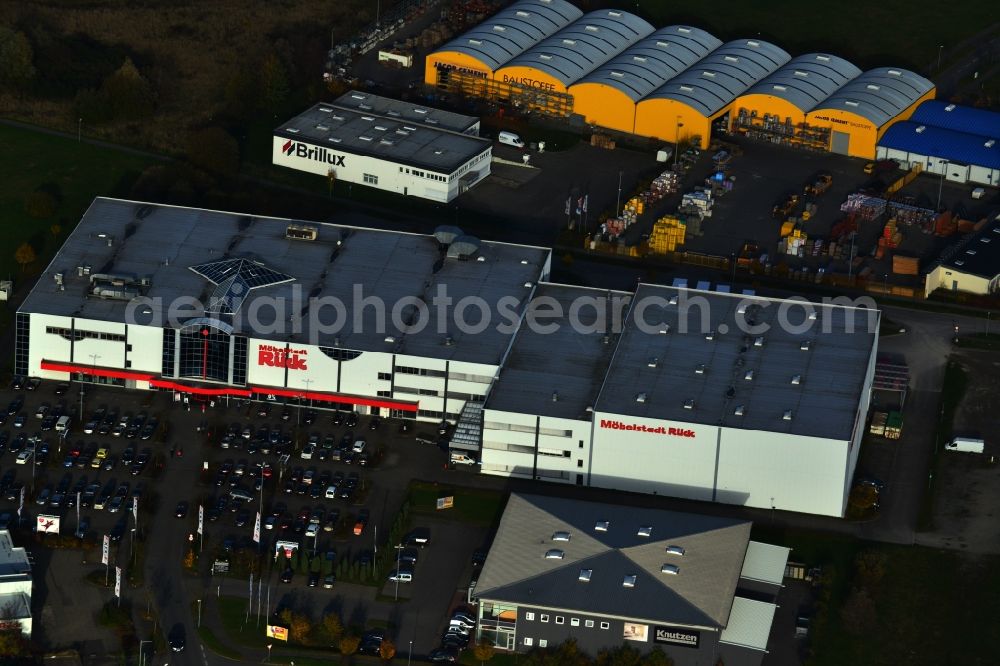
pixel 675 636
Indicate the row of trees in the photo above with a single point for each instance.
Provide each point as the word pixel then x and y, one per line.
pixel 328 632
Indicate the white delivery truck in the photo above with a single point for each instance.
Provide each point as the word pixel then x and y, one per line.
pixel 510 139
pixel 965 445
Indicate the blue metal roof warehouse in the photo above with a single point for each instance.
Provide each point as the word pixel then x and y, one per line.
pixel 959 142
pixel 959 118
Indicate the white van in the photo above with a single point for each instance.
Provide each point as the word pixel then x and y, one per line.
pixel 401 577
pixel 62 424
pixel 510 139
pixel 966 445
pixel 462 458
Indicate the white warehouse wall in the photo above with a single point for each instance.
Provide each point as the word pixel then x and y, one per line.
pixel 147 349
pixel 679 465
pixel 392 176
pixel 796 473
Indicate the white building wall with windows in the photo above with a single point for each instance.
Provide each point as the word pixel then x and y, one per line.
pixel 530 446
pixel 382 174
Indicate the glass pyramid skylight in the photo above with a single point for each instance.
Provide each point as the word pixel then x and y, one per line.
pixel 234 279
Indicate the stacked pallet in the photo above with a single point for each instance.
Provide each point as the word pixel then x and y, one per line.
pixel 668 233
pixel 793 244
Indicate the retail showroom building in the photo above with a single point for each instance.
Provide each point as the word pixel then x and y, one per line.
pixel 694 586
pixel 658 392
pixel 685 404
pixel 15 586
pixel 387 144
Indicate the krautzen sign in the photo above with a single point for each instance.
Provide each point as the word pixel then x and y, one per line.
pixel 279 357
pixel 609 424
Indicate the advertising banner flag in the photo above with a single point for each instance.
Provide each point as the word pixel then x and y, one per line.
pixel 118 582
pixel 47 524
pixel 106 551
pixel 256 529
pixel 135 509
pixel 568 203
pixel 20 507
pixel 201 520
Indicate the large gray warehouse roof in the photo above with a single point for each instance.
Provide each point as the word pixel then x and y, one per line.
pixel 700 593
pixel 558 373
pixel 722 75
pixel 651 62
pixel 425 145
pixel 584 45
pixel 511 31
pixel 164 242
pixel 693 363
pixel 807 80
pixel 401 110
pixel 879 94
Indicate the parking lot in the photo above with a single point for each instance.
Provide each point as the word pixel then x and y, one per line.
pixel 317 487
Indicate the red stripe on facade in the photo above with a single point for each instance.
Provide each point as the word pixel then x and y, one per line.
pixel 198 390
pixel 95 371
pixel 333 397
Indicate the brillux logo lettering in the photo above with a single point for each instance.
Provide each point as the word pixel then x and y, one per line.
pixel 312 153
pixel 638 427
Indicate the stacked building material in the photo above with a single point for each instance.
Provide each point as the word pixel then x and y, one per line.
pixel 877 426
pixel 866 207
pixel 905 265
pixel 894 425
pixel 668 233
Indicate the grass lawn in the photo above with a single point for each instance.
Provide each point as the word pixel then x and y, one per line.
pixel 482 507
pixel 989 342
pixel 956 381
pixel 233 612
pixel 858 31
pixel 215 645
pixel 74 172
pixel 930 606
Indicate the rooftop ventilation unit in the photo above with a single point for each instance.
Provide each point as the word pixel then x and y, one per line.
pixel 950 107
pixel 664 329
pixel 753 44
pixel 796 380
pixel 990 143
pixel 673 300
pixel 671 569
pixel 641 398
pixel 805 345
pixel 554 554
pixel 463 247
pixel 585 575
pixel 959 262
pixel 645 531
pixel 699 369
pixel 560 536
pixel 591 28
pixel 555 396
pixel 683 29
pixel 894 72
pixel 545 56
pixel 569 42
pixel 602 525
pixel 971 253
pixel 446 234
pixel 813 315
pixel 748 375
pixel 334 139
pixel 390 339
pixel 325 109
pixel 675 550
pixel 710 336
pixel 920 129
pixel 618 75
pixel 653 362
pixel 787 416
pixel 758 341
pixel 306 232
pixel 500 28
pixel 629 580
pixel 738 411
pixel 522 14
pixel 689 403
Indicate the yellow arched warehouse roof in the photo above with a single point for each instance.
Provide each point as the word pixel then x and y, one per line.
pixel 584 45
pixel 807 80
pixel 879 95
pixel 513 30
pixel 651 62
pixel 722 76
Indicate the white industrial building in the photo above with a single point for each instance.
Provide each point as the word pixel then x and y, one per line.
pixel 387 144
pixel 211 305
pixel 15 586
pixel 689 407
pixel 223 273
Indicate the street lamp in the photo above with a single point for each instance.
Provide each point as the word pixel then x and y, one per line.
pixel 269 645
pixel 298 414
pixel 677 140
pixel 618 203
pixel 141 654
pixel 399 547
pixel 940 49
pixel 409 654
